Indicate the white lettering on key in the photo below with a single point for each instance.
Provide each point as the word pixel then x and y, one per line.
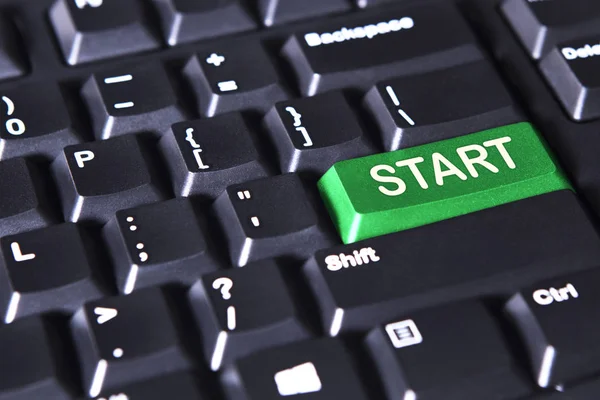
pixel 545 297
pixel 14 126
pixel 18 255
pixel 118 79
pixel 81 157
pixel 314 39
pixel 365 255
pixel 586 51
pixel 228 86
pixel 81 4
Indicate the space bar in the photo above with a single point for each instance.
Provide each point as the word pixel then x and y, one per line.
pixel 494 251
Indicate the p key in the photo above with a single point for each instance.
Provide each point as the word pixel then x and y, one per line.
pixel 233 77
pixel 92 182
pixel 91 30
pixel 131 100
pixel 557 324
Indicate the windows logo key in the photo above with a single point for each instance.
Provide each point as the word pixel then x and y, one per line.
pixel 404 333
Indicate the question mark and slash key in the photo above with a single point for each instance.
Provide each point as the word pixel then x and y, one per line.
pixel 224 285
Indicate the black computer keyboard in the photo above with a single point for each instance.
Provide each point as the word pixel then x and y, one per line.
pixel 303 199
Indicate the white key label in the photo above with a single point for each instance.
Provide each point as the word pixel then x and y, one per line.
pixel 545 297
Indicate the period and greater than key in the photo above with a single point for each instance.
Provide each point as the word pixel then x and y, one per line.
pixel 408 188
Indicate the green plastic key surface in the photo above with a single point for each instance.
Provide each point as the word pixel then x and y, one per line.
pixel 391 192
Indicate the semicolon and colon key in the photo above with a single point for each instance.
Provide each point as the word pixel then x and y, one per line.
pixel 399 190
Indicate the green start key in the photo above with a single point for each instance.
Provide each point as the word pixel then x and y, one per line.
pixel 391 192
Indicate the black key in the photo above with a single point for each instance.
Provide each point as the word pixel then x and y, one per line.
pixel 47 269
pixel 24 197
pixel 243 310
pixel 92 182
pixel 275 12
pixel 207 155
pixel 541 24
pixel 158 243
pixel 185 21
pixel 487 252
pixel 11 63
pixel 359 50
pixel 235 76
pixel 125 339
pixel 91 30
pixel 440 105
pixel 31 363
pixel 454 352
pixel 557 321
pixel 269 217
pixel 318 370
pixel 182 385
pixel 35 120
pixel 130 100
pixel 570 68
pixel 314 133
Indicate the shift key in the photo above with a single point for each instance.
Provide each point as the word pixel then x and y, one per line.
pixel 395 191
pixel 357 51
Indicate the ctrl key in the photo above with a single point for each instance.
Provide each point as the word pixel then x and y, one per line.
pixel 317 370
pixel 453 352
pixel 558 322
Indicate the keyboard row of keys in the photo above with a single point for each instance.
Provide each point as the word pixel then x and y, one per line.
pixel 253 333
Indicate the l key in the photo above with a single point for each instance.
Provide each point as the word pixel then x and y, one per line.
pixel 358 50
pixel 131 100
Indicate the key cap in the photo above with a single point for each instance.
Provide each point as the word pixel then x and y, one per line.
pixel 452 352
pixel 555 319
pixel 234 76
pixel 24 203
pixel 47 270
pixel 357 51
pixel 11 63
pixel 207 155
pixel 185 21
pixel 92 183
pixel 440 105
pixel 31 363
pixel 131 100
pixel 275 12
pixel 540 24
pixel 240 311
pixel 157 243
pixel 570 69
pixel 35 121
pixel 485 253
pixel 92 30
pixel 182 385
pixel 269 217
pixel 126 339
pixel 318 370
pixel 313 133
pixel 390 192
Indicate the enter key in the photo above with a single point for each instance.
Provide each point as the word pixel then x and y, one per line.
pixel 395 191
